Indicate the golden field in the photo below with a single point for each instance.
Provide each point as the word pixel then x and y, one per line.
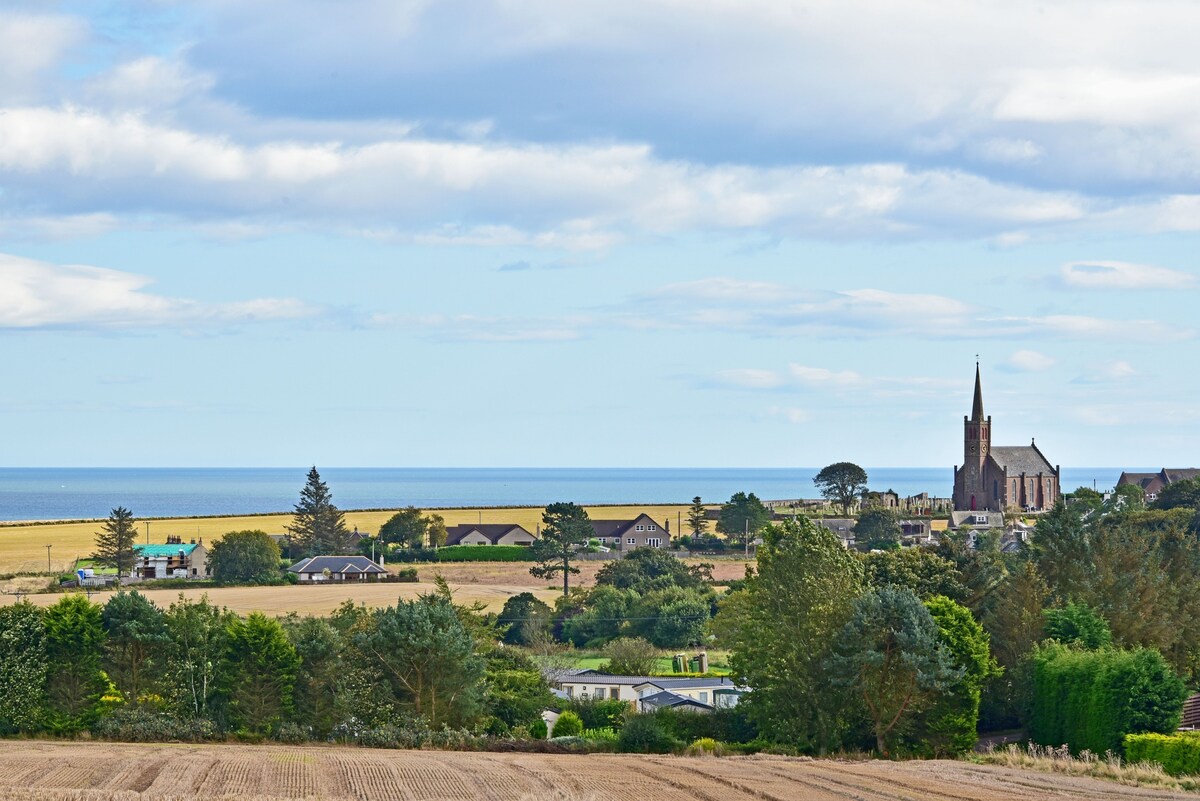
pixel 60 771
pixel 23 547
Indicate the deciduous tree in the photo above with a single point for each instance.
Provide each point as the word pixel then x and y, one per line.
pixel 742 517
pixel 407 527
pixel 842 483
pixel 244 556
pixel 877 529
pixel 948 725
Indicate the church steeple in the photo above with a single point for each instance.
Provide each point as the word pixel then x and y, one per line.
pixel 977 406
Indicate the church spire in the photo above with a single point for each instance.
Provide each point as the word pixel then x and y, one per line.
pixel 977 406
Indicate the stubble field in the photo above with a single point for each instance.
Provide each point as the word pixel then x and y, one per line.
pixel 111 772
pixel 23 547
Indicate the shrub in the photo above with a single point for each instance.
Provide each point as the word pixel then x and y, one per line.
pixel 643 734
pixel 568 725
pixel 631 656
pixel 407 574
pixel 705 746
pixel 1092 699
pixel 601 739
pixel 538 730
pixel 1179 754
pixel 133 724
pixel 606 714
pixel 724 724
pixel 484 553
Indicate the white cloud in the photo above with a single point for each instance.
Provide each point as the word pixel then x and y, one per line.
pixel 822 376
pixel 793 414
pixel 148 83
pixel 750 378
pixel 1029 361
pixel 1123 275
pixel 1107 373
pixel 30 44
pixel 36 294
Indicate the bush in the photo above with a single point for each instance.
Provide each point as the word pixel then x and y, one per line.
pixel 132 724
pixel 705 746
pixel 724 724
pixel 1179 754
pixel 538 730
pixel 643 734
pixel 1092 699
pixel 484 553
pixel 601 739
pixel 407 574
pixel 631 656
pixel 606 714
pixel 568 725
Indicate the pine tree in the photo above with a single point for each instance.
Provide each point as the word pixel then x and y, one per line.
pixel 566 529
pixel 697 519
pixel 318 527
pixel 114 542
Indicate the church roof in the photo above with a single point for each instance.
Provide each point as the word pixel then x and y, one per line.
pixel 1016 459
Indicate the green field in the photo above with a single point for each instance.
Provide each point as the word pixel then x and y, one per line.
pixel 718 661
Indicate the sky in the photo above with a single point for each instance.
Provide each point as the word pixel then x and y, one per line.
pixel 651 233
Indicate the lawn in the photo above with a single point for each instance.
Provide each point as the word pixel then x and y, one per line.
pixel 718 661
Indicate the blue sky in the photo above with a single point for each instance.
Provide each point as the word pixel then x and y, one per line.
pixel 615 233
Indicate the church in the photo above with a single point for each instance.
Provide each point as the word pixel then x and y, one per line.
pixel 1004 478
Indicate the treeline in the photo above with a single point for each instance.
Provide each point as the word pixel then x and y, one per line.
pixel 1080 637
pixel 405 674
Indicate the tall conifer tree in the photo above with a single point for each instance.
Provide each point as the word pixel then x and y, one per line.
pixel 114 542
pixel 318 527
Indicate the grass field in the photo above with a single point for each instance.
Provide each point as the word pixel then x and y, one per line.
pixel 51 771
pixel 23 547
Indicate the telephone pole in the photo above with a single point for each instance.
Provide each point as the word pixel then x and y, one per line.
pixel 48 568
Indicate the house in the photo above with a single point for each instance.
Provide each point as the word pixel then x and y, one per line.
pixel 707 691
pixel 337 568
pixel 976 521
pixel 173 559
pixel 842 528
pixel 625 535
pixel 488 534
pixel 1151 484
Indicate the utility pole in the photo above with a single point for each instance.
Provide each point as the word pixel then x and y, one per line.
pixel 147 532
pixel 48 568
pixel 746 537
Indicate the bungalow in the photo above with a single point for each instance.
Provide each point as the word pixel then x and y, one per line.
pixel 625 535
pixel 337 568
pixel 174 559
pixel 706 691
pixel 488 534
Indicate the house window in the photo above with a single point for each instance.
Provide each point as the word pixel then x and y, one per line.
pixel 632 541
pixel 641 528
pixel 651 528
pixel 703 697
pixel 598 694
pixel 654 542
pixel 570 690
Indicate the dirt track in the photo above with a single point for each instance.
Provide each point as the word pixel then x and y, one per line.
pixel 100 772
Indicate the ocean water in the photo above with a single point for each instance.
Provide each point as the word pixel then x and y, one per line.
pixel 73 493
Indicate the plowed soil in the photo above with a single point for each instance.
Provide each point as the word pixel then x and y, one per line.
pixel 109 772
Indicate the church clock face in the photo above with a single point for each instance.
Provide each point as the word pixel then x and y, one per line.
pixel 972 448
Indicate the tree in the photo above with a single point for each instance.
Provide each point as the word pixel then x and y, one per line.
pixel 1077 624
pixel 647 569
pixel 525 618
pixel 949 724
pixel 697 518
pixel 671 618
pixel 318 644
pixel 407 528
pixel 631 656
pixel 244 556
pixel 779 636
pixel 136 636
pixel 436 531
pixel 566 529
pixel 888 654
pixel 1185 494
pixel 423 654
pixel 318 527
pixel 878 529
pixel 198 634
pixel 260 670
pixel 23 668
pixel 842 483
pixel 568 725
pixel 918 569
pixel 517 693
pixel 604 616
pixel 1129 496
pixel 74 647
pixel 742 517
pixel 115 540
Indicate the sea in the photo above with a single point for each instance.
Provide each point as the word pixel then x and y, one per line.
pixel 75 493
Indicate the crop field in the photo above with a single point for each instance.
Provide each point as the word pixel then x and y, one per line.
pixel 23 547
pixel 108 772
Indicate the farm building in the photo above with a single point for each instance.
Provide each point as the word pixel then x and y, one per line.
pixel 337 568
pixel 173 559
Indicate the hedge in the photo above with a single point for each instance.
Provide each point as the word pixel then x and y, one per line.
pixel 1089 700
pixel 484 553
pixel 1179 754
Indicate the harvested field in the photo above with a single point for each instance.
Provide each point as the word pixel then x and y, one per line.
pixel 23 547
pixel 116 772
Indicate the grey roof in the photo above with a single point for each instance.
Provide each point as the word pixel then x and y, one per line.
pixel 592 676
pixel 617 528
pixel 689 684
pixel 492 531
pixel 669 699
pixel 994 519
pixel 1174 474
pixel 336 564
pixel 1017 459
pixel 1142 480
